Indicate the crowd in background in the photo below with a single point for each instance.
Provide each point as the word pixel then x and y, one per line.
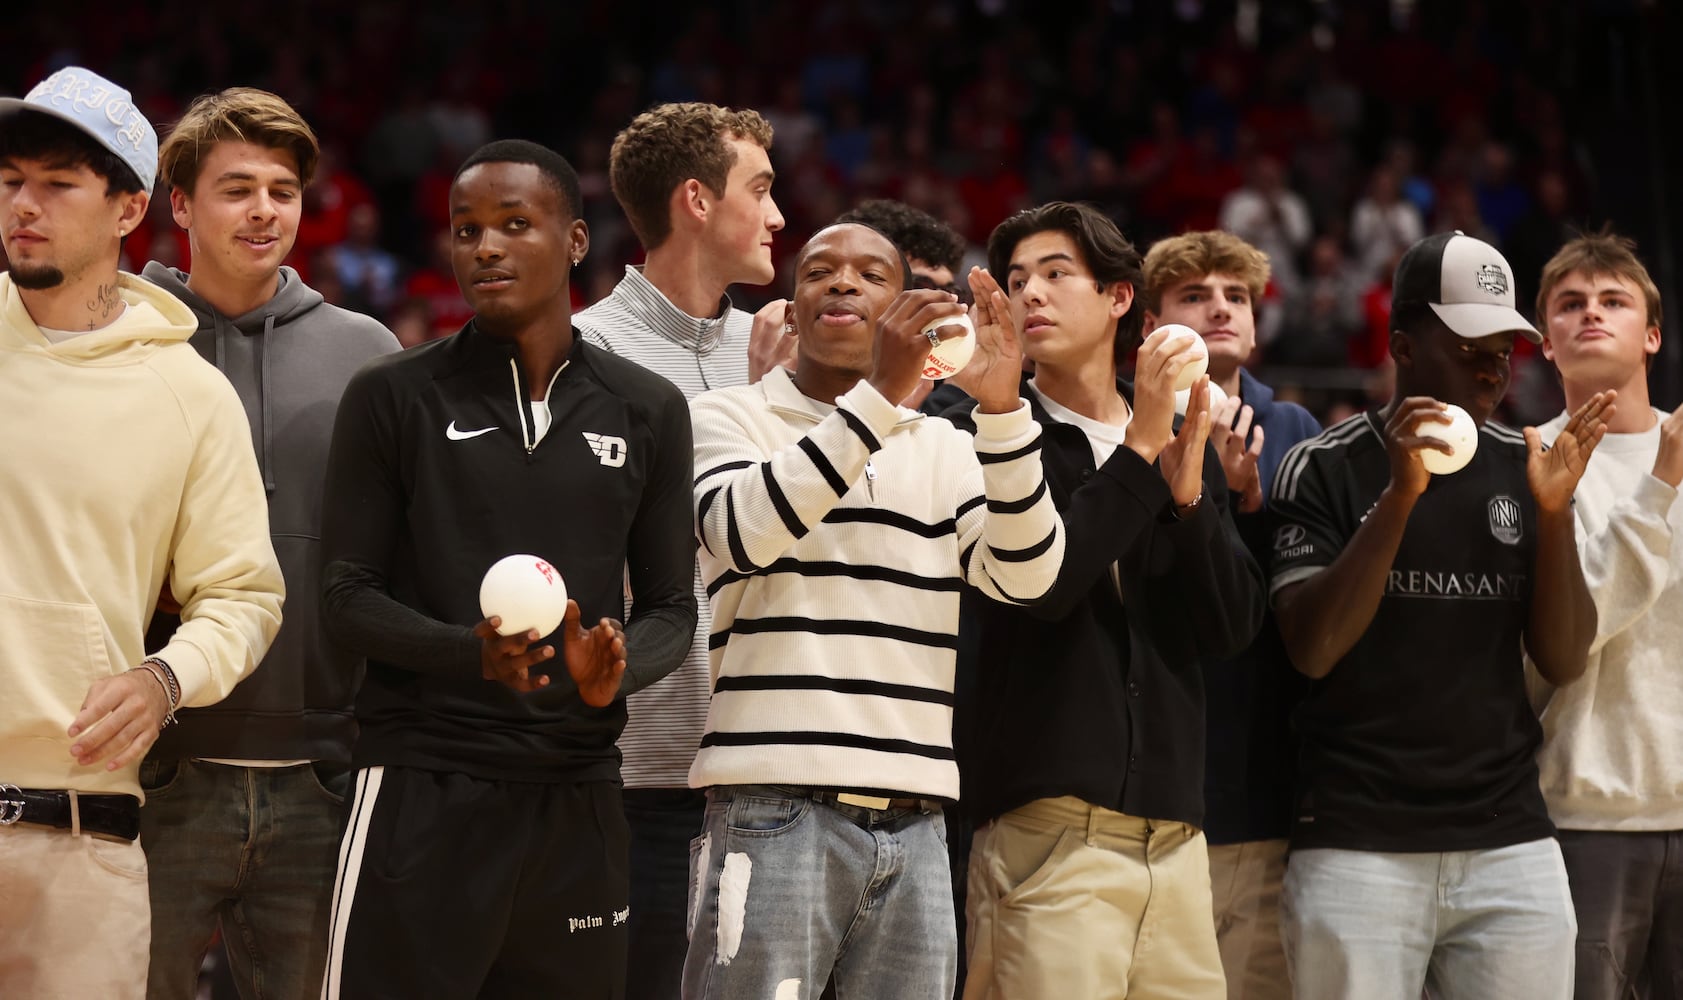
pixel 1331 136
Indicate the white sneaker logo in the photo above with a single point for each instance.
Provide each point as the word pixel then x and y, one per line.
pixel 455 435
pixel 610 449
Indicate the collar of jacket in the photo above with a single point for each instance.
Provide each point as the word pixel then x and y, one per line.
pixel 783 397
pixel 640 298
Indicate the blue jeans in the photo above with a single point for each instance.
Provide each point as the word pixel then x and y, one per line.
pixel 787 891
pixel 1470 925
pixel 252 850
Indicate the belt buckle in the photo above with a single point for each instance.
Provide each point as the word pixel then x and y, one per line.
pixel 12 805
pixel 863 801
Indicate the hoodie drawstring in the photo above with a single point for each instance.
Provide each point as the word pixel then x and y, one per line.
pixel 268 424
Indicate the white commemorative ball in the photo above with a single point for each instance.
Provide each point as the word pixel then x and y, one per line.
pixel 1460 433
pixel 526 592
pixel 1200 362
pixel 949 357
pixel 1183 399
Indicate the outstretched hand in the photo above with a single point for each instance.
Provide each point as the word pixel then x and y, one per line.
pixel 1554 473
pixel 1238 462
pixel 595 656
pixel 995 371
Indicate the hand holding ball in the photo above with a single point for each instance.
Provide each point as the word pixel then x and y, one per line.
pixel 526 592
pixel 1461 434
pixel 948 357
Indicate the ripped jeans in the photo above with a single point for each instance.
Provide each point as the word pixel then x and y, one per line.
pixel 786 891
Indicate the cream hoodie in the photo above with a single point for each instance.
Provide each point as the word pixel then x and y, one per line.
pixel 1612 756
pixel 124 457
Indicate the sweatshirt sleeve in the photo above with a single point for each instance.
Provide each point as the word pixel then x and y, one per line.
pixel 1010 537
pixel 750 506
pixel 660 559
pixel 1211 595
pixel 1628 562
pixel 223 566
pixel 362 511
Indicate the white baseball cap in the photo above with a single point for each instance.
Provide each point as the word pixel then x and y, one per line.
pixel 1466 281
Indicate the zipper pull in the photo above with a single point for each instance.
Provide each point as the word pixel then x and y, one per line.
pixel 871 480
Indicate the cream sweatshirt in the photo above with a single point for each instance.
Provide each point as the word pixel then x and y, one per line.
pixel 127 461
pixel 1612 756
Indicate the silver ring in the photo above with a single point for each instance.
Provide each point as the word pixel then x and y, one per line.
pixel 934 335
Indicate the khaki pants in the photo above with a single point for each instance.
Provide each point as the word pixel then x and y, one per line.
pixel 1072 902
pixel 75 921
pixel 1246 879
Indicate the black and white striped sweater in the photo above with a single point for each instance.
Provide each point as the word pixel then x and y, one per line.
pixel 835 542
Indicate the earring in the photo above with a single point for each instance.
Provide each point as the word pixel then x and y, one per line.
pixel 575 262
pixel 789 329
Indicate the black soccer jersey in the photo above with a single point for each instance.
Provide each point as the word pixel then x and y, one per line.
pixel 1421 737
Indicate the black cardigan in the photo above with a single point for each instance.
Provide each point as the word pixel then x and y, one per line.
pixel 1093 696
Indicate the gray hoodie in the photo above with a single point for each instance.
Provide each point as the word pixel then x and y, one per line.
pixel 289 360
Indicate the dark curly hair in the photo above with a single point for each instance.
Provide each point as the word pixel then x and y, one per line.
pixel 917 233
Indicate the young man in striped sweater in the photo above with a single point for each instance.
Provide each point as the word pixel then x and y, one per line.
pixel 695 183
pixel 837 532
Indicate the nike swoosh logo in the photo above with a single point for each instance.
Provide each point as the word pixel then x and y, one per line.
pixel 455 435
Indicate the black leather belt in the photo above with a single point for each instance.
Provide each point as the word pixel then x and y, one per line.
pixel 112 815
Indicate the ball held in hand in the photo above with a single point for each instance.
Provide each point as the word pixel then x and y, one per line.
pixel 526 592
pixel 1460 433
pixel 949 357
pixel 1183 398
pixel 1200 362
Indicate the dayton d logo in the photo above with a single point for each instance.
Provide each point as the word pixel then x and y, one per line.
pixel 609 450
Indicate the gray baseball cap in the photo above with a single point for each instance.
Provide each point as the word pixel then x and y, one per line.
pixel 103 110
pixel 1466 281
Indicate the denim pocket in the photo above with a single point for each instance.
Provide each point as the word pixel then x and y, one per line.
pixel 332 780
pixel 758 816
pixel 159 776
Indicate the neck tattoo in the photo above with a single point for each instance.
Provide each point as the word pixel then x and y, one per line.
pixel 105 302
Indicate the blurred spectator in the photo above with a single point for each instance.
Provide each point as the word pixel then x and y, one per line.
pixel 1383 224
pixel 456 119
pixel 434 287
pixel 1325 314
pixel 413 324
pixel 793 127
pixel 1199 182
pixel 1458 210
pixel 327 210
pixel 1326 168
pixel 1535 238
pixel 368 273
pixel 1401 157
pixel 1271 217
pixel 1502 202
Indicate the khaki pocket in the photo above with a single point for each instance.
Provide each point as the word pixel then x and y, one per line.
pixel 62 650
pixel 1026 875
pixel 124 859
